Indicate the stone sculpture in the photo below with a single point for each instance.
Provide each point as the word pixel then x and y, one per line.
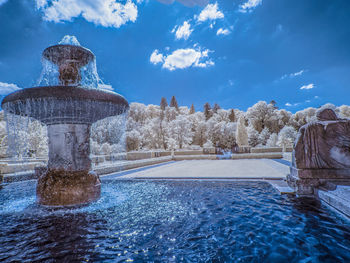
pixel 321 156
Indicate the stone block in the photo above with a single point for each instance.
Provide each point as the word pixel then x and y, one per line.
pixel 265 149
pixel 242 149
pixel 164 153
pixel 209 150
pixel 138 155
pixel 257 156
pixel 195 157
pixel 188 152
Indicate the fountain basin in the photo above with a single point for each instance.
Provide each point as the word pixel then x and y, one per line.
pixel 59 54
pixel 65 104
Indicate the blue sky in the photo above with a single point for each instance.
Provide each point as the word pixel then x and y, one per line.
pixel 234 53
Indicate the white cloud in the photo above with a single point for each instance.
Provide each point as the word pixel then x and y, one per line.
pixel 292 75
pixel 107 13
pixel 6 88
pixel 183 31
pixel 210 12
pixel 222 31
pixel 183 58
pixel 156 57
pixel 292 104
pixel 249 5
pixel 299 73
pixel 310 86
pixel 186 2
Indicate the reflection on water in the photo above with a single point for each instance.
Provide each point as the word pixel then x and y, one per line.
pixel 172 221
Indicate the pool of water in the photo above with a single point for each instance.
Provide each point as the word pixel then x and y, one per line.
pixel 172 221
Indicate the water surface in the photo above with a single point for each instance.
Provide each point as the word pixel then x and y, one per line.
pixel 172 221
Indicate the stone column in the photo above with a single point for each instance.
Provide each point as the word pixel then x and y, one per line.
pixel 69 147
pixel 68 179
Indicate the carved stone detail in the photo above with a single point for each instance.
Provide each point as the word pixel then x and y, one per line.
pixel 321 154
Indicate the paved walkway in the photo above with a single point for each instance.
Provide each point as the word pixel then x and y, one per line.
pixel 216 169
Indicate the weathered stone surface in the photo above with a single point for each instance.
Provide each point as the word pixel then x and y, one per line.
pixel 321 153
pixel 69 147
pixel 64 188
pixel 338 199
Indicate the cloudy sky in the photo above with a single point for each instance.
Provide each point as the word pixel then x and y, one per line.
pixel 233 52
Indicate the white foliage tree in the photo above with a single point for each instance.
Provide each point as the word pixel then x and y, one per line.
pixel 180 130
pixel 272 141
pixel 253 136
pixel 264 136
pixel 287 136
pixel 344 111
pixel 261 115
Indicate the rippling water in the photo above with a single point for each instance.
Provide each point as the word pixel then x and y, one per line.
pixel 172 221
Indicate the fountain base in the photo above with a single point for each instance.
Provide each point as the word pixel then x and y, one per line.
pixel 64 188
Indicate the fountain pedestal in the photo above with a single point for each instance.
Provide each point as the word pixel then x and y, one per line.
pixel 68 179
pixel 64 188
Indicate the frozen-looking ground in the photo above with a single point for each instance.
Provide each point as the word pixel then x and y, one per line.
pixel 246 169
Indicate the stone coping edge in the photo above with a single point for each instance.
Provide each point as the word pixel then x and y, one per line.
pixel 339 204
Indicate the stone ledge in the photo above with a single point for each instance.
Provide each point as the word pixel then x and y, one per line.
pixel 130 165
pixel 188 152
pixel 257 156
pixel 281 186
pixel 266 150
pixel 338 199
pixel 194 157
pixel 321 173
pixel 11 168
pixel 20 176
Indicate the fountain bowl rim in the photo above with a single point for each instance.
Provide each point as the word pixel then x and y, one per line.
pixel 66 92
pixel 59 47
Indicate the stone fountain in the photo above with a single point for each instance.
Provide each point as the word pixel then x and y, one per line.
pixel 68 110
